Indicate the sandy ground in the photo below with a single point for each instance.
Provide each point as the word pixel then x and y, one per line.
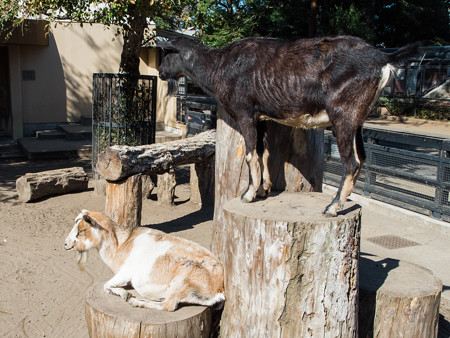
pixel 41 289
pixel 42 292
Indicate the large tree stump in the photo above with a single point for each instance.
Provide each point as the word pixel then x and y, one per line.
pixel 33 186
pixel 289 271
pixel 295 161
pixel 124 201
pixel 111 316
pixel 397 299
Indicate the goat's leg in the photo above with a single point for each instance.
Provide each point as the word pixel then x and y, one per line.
pixel 249 133
pixel 115 286
pixel 351 149
pixel 263 155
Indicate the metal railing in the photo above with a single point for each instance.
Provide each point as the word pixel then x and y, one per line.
pixel 407 170
pixel 123 111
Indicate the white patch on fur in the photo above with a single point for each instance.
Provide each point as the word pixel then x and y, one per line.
pixel 138 270
pixel 386 73
pixel 304 121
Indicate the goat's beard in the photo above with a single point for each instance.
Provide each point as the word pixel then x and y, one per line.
pixel 172 88
pixel 81 258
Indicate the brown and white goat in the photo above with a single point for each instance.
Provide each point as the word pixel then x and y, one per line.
pixel 307 83
pixel 165 270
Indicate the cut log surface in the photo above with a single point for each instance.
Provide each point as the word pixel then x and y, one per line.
pixel 289 271
pixel 111 316
pixel 119 162
pixel 33 186
pixel 397 299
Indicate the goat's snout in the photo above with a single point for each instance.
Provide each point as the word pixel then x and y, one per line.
pixel 68 245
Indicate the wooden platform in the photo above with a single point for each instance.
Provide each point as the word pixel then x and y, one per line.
pixel 111 316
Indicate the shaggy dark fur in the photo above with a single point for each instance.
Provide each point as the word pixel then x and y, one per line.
pixel 308 83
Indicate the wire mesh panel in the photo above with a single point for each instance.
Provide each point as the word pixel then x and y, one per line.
pixel 123 111
pixel 409 171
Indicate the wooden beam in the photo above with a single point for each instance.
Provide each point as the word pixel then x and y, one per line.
pixel 119 162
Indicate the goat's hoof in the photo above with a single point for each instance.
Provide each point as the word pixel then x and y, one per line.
pixel 263 192
pixel 330 211
pixel 133 302
pixel 249 195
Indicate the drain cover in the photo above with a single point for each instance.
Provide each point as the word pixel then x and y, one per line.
pixel 392 242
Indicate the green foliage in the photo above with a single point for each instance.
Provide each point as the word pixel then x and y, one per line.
pixel 417 108
pixel 351 21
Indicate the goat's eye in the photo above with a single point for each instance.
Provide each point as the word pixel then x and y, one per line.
pixel 81 232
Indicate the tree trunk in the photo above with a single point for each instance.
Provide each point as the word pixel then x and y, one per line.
pixel 124 201
pixel 111 316
pixel 132 40
pixel 119 162
pixel 397 299
pixel 33 186
pixel 289 271
pixel 295 161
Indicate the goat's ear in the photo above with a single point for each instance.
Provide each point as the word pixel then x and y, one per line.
pixel 91 221
pixel 165 43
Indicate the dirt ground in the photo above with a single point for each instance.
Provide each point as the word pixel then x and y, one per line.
pixel 42 292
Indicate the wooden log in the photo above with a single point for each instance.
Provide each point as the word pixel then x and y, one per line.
pixel 202 182
pixel 166 187
pixel 119 162
pixel 33 186
pixel 295 161
pixel 147 186
pixel 111 316
pixel 289 271
pixel 124 201
pixel 397 299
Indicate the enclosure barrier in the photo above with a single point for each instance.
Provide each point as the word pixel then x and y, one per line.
pixel 408 170
pixel 123 111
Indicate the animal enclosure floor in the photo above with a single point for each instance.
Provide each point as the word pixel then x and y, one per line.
pixel 42 292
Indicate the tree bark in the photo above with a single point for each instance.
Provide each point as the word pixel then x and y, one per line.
pixel 124 201
pixel 202 182
pixel 295 161
pixel 111 316
pixel 119 162
pixel 166 187
pixel 397 299
pixel 289 271
pixel 33 186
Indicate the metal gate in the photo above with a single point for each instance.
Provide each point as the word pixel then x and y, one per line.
pixel 408 170
pixel 123 111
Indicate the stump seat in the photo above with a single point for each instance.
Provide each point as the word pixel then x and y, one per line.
pixel 290 271
pixel 397 299
pixel 111 316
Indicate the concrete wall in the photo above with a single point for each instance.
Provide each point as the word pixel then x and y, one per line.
pixel 166 105
pixel 61 90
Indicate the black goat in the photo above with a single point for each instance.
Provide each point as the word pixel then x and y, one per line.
pixel 308 83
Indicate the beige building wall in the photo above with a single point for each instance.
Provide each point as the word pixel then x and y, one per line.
pixel 61 90
pixel 166 106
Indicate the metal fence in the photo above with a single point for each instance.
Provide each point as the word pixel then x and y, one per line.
pixel 407 170
pixel 123 111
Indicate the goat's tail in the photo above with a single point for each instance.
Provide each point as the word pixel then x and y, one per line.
pixel 399 57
